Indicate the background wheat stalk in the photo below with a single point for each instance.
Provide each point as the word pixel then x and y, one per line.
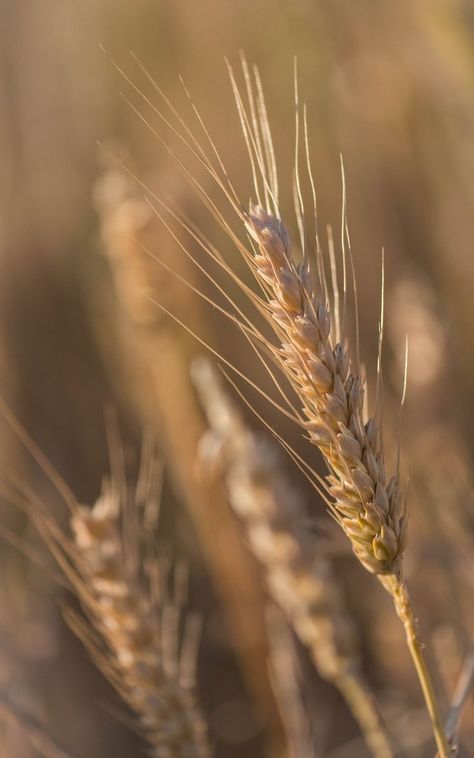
pixel 297 573
pixel 287 677
pixel 152 371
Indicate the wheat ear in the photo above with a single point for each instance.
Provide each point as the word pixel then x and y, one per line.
pixel 144 660
pixel 312 349
pixel 370 509
pixel 135 628
pixel 298 576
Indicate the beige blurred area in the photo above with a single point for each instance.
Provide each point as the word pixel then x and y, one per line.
pixel 390 86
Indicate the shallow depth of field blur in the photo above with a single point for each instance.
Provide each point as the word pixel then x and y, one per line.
pixel 390 86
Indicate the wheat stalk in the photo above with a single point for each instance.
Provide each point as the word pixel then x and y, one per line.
pixel 298 575
pixel 311 349
pixel 153 369
pixel 287 677
pixel 370 510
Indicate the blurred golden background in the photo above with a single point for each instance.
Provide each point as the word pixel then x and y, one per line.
pixel 387 85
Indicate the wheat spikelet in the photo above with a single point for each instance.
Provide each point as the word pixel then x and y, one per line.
pixel 298 576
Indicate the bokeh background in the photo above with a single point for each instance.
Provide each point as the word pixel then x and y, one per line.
pixel 388 85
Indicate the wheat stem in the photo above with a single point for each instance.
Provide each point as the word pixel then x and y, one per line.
pixel 365 711
pixel 403 606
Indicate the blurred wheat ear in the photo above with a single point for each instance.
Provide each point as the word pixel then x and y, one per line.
pixel 152 371
pixel 134 625
pixel 124 590
pixel 309 349
pixel 298 575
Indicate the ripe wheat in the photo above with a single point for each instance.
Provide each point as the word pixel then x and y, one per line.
pixel 311 349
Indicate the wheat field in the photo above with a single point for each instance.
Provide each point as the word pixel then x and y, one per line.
pixel 236 401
